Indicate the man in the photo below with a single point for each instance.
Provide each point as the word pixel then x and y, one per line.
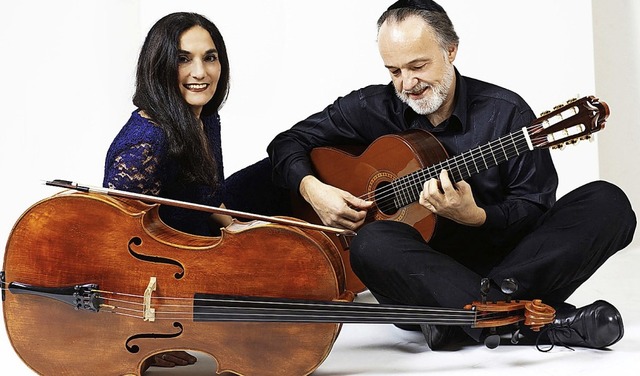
pixel 503 223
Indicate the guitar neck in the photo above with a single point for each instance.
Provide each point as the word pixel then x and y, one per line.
pixel 407 188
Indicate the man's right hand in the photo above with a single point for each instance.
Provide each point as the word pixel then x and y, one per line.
pixel 335 207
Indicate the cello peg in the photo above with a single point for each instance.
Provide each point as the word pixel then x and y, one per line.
pixel 492 340
pixel 508 287
pixel 485 286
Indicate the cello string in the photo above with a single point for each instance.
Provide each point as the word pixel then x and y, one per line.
pixel 224 316
pixel 274 303
pixel 301 311
pixel 285 311
pixel 317 313
pixel 261 318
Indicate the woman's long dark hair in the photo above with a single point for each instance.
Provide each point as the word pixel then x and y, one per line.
pixel 158 94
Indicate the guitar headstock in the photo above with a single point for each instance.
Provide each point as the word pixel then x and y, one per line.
pixel 569 123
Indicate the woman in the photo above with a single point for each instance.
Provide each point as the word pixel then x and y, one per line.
pixel 170 146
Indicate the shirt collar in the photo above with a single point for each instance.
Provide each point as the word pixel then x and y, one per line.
pixel 458 119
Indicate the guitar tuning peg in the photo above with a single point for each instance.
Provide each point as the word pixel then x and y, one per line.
pixel 558 147
pixel 572 100
pixel 558 106
pixel 543 113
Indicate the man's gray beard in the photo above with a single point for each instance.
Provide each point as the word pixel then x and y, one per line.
pixel 432 102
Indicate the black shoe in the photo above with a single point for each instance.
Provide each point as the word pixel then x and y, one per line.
pixel 597 325
pixel 437 336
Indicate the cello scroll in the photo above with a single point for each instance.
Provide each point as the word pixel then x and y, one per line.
pixel 533 313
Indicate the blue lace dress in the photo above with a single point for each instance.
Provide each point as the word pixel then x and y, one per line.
pixel 138 161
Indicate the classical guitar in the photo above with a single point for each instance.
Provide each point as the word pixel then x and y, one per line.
pixel 393 169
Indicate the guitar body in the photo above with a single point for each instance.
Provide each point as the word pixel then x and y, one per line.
pixel 387 158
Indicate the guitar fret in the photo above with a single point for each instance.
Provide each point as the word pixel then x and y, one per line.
pixel 466 164
pixel 417 188
pixel 406 189
pixel 495 160
pixel 472 158
pixel 514 144
pixel 503 150
pixel 453 170
pixel 411 187
pixel 486 166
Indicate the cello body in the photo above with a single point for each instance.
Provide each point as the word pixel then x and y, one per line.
pixel 119 246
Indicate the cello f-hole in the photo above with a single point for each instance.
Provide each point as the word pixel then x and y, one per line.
pixel 161 260
pixel 133 348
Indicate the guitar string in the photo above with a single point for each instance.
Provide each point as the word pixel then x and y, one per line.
pixel 409 181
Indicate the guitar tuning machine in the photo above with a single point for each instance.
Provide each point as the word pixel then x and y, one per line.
pixel 558 147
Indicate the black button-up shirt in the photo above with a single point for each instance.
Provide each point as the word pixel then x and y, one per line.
pixel 514 194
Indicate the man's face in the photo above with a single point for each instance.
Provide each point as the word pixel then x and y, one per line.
pixel 421 71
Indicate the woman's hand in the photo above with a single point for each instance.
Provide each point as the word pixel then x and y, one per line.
pixel 169 359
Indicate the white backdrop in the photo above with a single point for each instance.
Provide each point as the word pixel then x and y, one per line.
pixel 68 84
pixel 68 75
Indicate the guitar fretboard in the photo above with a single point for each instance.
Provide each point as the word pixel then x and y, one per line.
pixel 407 188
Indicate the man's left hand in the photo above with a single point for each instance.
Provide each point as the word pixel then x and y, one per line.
pixel 452 200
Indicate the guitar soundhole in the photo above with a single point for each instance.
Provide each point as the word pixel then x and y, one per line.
pixel 384 198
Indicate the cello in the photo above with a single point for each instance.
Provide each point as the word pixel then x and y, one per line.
pixel 96 285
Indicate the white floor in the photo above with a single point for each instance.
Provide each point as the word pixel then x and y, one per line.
pixel 385 350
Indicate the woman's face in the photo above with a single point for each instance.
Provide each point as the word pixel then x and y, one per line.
pixel 198 67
